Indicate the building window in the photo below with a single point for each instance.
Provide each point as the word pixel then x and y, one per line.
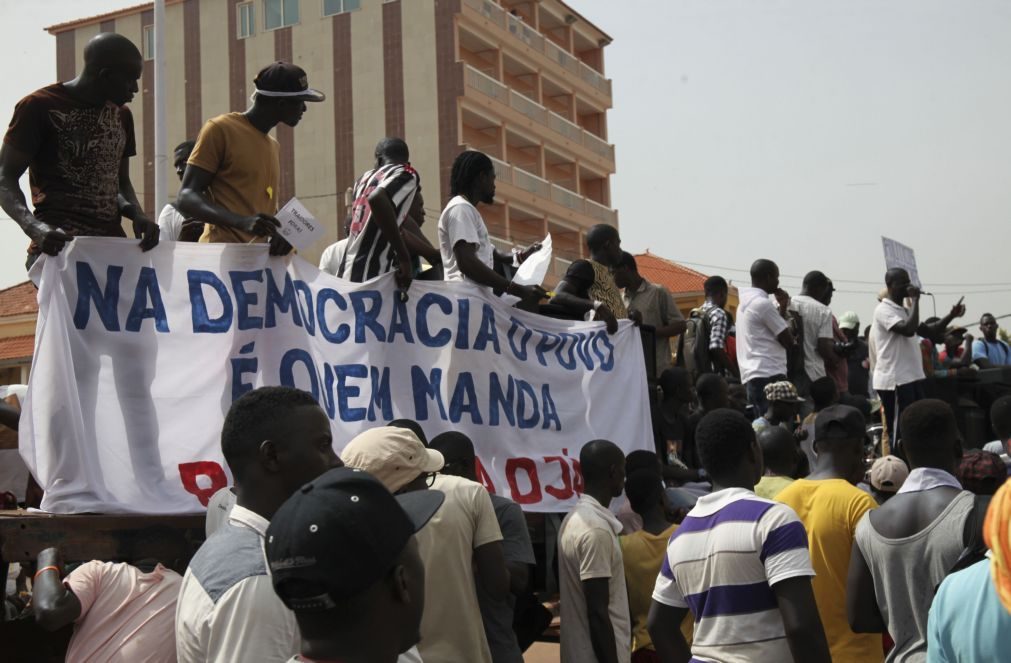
pixel 279 13
pixel 246 20
pixel 331 7
pixel 149 42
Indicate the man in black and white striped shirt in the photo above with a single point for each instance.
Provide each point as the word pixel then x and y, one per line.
pixel 382 198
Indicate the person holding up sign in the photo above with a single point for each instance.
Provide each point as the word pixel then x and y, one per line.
pixel 233 175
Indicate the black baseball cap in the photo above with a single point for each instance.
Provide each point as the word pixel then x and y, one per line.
pixel 840 422
pixel 284 79
pixel 338 535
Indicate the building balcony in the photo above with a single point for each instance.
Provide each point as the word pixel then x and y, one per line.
pixel 557 201
pixel 553 126
pixel 592 80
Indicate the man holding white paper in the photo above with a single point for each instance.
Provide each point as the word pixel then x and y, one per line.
pixel 233 175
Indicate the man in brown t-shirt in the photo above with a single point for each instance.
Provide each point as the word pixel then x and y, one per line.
pixel 75 139
pixel 233 174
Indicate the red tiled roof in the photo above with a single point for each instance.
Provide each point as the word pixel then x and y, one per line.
pixel 17 347
pixel 98 18
pixel 673 276
pixel 18 299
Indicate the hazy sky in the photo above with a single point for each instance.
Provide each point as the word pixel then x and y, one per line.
pixel 798 130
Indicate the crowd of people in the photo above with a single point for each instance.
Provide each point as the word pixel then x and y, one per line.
pixel 770 522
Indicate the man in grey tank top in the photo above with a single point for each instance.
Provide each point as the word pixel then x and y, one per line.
pixel 904 548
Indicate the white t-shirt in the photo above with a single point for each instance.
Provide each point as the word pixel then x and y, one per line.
pixel 759 352
pixel 461 222
pixel 170 222
pixel 899 360
pixel 588 548
pixel 817 319
pixel 332 256
pixel 451 627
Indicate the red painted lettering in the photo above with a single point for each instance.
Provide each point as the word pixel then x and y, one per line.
pixel 189 472
pixel 565 492
pixel 483 477
pixel 513 465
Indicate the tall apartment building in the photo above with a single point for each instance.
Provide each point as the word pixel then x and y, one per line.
pixel 522 80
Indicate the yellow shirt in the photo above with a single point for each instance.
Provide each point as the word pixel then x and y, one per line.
pixel 246 166
pixel 642 554
pixel 770 486
pixel 830 510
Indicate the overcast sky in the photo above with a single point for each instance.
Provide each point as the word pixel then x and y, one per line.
pixel 798 130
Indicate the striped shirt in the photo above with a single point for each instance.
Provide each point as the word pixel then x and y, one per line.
pixel 721 564
pixel 368 254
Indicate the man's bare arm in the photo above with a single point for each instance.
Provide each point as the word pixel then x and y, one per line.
pixel 13 164
pixel 194 202
pixel 143 228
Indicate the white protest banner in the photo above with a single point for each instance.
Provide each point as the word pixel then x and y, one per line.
pixel 901 256
pixel 139 355
pixel 299 226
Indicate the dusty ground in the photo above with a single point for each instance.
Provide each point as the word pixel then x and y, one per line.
pixel 541 652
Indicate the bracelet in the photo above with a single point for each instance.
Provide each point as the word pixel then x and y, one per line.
pixel 43 570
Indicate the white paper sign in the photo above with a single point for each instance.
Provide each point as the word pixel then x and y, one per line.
pixel 901 256
pixel 535 267
pixel 138 356
pixel 298 225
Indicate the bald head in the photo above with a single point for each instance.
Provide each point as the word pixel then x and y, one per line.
pixel 598 458
pixel 765 275
pixel 779 450
pixel 110 50
pixel 112 67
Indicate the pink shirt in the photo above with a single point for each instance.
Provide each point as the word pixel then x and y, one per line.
pixel 126 615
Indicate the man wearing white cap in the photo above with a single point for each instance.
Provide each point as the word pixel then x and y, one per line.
pixel 461 545
pixel 887 475
pixel 233 175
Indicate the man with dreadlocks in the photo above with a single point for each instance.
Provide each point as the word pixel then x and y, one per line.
pixel 381 200
pixel 588 284
pixel 467 251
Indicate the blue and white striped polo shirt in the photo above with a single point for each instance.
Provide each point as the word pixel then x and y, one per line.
pixel 721 564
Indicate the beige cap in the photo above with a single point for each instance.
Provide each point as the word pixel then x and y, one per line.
pixel 888 473
pixel 393 455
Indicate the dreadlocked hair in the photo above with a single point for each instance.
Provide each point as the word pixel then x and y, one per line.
pixel 466 168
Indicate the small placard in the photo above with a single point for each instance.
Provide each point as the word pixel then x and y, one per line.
pixel 298 225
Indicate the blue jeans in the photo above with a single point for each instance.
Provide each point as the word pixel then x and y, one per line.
pixel 756 392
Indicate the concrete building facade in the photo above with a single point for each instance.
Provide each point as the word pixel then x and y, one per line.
pixel 522 80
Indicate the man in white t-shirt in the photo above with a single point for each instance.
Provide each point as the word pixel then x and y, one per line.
pixel 467 251
pixel 763 334
pixel 898 370
pixel 596 626
pixel 170 221
pixel 460 547
pixel 818 339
